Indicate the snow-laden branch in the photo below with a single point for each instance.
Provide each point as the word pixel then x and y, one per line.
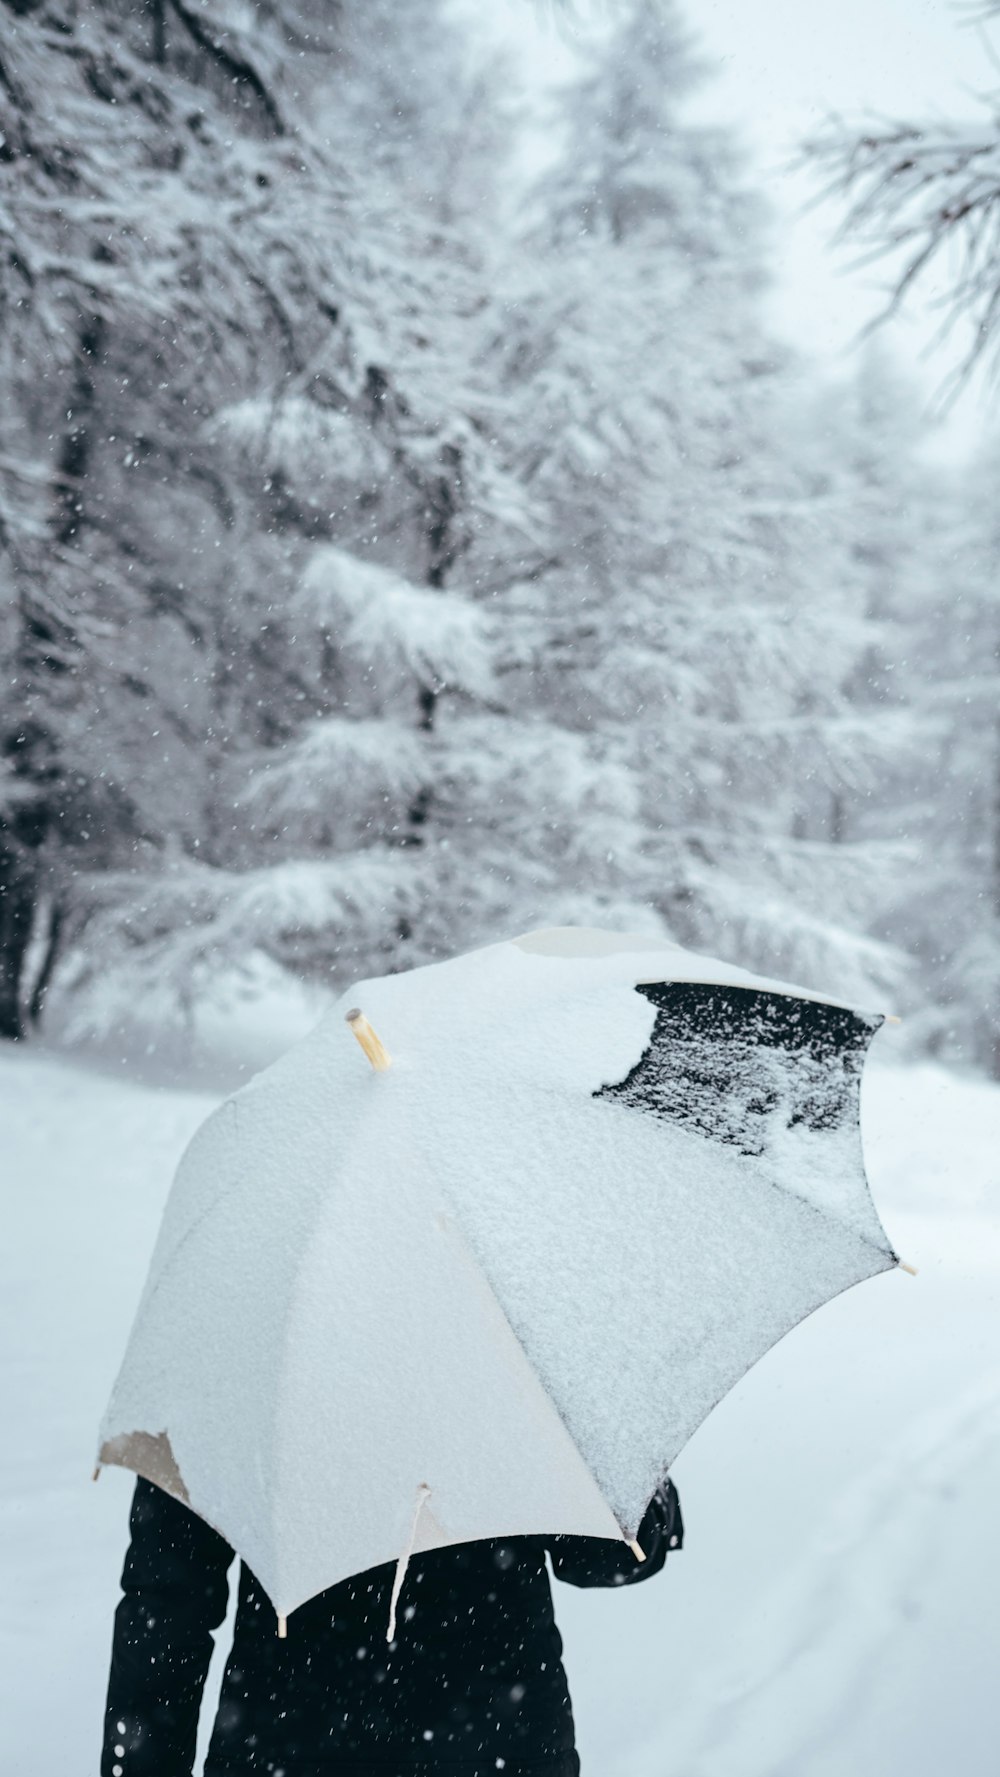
pixel 394 631
pixel 342 783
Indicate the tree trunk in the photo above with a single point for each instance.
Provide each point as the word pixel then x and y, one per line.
pixel 158 9
pixel 36 1004
pixel 74 452
pixel 443 550
pixel 17 911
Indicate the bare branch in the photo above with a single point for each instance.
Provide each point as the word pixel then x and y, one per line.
pixel 914 189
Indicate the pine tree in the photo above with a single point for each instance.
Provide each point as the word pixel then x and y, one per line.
pixel 949 642
pixel 148 274
pixel 263 325
pixel 693 637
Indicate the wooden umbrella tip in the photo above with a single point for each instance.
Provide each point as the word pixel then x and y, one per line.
pixel 637 1550
pixel 892 1018
pixel 282 1628
pixel 369 1040
pixel 911 1270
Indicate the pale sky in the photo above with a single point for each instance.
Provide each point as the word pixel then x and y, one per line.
pixel 780 67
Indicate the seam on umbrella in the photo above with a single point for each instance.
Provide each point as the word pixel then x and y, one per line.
pixel 449 1224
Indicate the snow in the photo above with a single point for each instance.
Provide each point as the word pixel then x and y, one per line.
pixel 835 1607
pixel 318 449
pixel 393 628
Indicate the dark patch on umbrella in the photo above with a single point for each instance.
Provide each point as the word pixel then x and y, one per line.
pixel 735 1063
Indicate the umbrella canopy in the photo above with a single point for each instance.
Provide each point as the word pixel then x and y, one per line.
pixel 506 1278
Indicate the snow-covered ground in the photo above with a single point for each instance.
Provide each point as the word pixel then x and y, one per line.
pixel 836 1611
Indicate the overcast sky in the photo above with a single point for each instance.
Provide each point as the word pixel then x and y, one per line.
pixel 780 67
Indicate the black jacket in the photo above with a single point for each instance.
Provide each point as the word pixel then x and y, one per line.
pixel 472 1685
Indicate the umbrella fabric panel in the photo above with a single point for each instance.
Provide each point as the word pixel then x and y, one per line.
pixel 643 1266
pixel 402 1370
pixel 319 1340
pixel 205 1359
pixel 661 1266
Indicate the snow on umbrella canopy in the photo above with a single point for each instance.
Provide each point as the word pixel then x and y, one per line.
pixel 509 1276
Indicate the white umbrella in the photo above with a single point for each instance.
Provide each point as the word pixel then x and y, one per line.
pixel 491 1289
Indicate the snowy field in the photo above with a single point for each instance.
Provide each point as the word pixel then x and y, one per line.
pixel 836 1612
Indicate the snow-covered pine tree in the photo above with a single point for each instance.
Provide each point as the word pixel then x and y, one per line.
pixel 965 641
pixel 946 635
pixel 695 633
pixel 923 194
pixel 168 243
pixel 275 380
pixel 436 817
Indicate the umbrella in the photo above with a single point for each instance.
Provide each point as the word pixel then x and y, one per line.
pixel 491 1289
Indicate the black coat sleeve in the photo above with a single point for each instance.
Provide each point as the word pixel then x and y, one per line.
pixel 596 1561
pixel 175 1594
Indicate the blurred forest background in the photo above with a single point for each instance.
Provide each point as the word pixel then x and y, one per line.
pixel 392 558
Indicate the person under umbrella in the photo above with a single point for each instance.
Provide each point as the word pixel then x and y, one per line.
pixel 472 1682
pixel 489 1291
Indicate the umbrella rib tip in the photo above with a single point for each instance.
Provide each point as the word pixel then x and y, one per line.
pixel 911 1270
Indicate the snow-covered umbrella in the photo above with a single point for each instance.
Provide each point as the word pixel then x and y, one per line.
pixel 492 1288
